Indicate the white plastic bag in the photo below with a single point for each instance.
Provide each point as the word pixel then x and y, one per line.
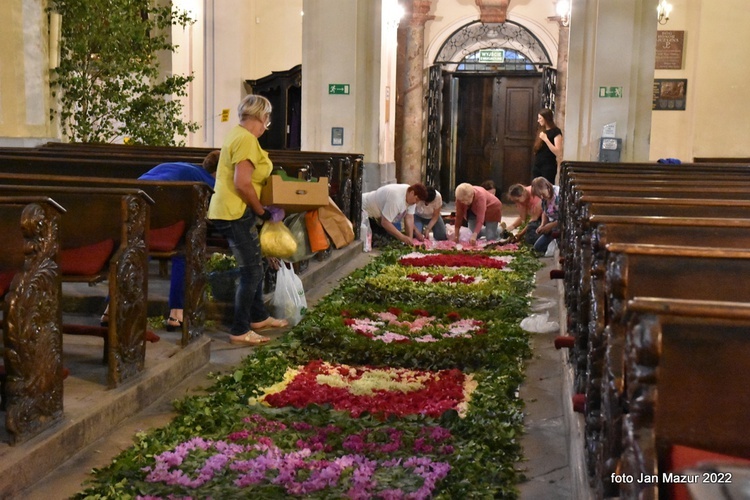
pixel 365 232
pixel 551 249
pixel 289 300
pixel 539 323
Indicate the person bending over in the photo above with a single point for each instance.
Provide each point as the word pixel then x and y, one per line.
pixel 486 210
pixel 174 172
pixel 529 211
pixel 428 217
pixel 391 204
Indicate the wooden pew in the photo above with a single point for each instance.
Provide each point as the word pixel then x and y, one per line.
pixel 119 218
pixel 686 362
pixel 32 386
pixel 635 270
pixel 578 234
pixel 176 205
pixel 593 343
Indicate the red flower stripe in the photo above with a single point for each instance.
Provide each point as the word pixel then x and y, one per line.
pixel 452 260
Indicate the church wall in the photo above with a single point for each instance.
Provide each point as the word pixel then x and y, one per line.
pixel 718 83
pixel 24 74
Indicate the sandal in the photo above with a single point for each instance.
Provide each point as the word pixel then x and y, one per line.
pixel 270 323
pixel 171 326
pixel 104 320
pixel 250 339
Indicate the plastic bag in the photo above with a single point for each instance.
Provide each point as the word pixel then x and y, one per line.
pixel 277 241
pixel 296 224
pixel 539 323
pixel 289 300
pixel 551 249
pixel 365 232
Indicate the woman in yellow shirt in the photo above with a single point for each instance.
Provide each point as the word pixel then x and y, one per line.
pixel 235 209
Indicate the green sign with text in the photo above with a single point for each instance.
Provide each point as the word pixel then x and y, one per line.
pixel 610 92
pixel 338 88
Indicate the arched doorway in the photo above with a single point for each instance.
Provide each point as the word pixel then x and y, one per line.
pixel 487 85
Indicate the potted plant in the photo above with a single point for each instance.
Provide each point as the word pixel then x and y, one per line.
pixel 222 275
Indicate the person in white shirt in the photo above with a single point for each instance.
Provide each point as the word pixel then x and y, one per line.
pixel 427 216
pixel 391 204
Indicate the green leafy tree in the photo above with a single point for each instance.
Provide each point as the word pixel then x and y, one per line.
pixel 108 82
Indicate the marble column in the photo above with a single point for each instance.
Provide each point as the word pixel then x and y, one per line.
pixel 411 91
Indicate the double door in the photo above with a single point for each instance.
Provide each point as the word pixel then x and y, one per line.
pixel 489 127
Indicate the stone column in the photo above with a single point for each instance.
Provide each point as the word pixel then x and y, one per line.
pixel 410 112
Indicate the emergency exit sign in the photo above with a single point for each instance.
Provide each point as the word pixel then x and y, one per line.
pixel 338 88
pixel 610 92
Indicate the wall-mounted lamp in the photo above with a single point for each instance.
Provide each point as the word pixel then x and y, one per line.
pixel 562 9
pixel 393 13
pixel 663 10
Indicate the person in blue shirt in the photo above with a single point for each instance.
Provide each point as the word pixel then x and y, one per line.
pixel 174 172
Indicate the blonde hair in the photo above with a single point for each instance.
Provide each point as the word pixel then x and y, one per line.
pixel 465 193
pixel 254 106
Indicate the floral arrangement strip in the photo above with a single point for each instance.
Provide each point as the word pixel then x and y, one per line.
pixel 395 325
pixel 324 459
pixel 417 259
pixel 317 429
pixel 383 392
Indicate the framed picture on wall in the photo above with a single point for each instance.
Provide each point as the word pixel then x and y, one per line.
pixel 669 94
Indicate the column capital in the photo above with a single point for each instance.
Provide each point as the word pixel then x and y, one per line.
pixel 492 11
pixel 417 12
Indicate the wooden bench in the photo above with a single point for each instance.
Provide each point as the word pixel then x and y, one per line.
pixel 177 223
pixel 32 382
pixel 635 270
pixel 592 342
pixel 686 362
pixel 113 244
pixel 577 232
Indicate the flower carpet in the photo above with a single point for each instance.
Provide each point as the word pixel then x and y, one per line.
pixel 390 387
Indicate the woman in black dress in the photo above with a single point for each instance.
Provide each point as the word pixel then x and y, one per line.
pixel 547 147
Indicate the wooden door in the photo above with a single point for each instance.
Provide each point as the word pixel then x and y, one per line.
pixel 495 128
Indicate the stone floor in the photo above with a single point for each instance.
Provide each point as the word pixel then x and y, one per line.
pixel 553 465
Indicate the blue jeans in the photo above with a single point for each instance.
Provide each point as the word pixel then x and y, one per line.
pixel 177 283
pixel 491 230
pixel 541 244
pixel 244 242
pixel 438 230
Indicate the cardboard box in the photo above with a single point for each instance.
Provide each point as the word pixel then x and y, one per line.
pixel 295 196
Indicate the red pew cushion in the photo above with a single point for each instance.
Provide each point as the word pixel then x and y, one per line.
pixel 165 239
pixel 684 457
pixel 86 260
pixel 5 279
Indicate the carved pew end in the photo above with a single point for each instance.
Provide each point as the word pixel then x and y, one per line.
pixel 564 341
pixel 4 378
pixel 579 403
pixel 556 274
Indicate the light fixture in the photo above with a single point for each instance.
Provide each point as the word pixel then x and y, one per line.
pixel 563 11
pixel 663 10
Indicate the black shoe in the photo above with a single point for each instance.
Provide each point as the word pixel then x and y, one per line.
pixel 172 328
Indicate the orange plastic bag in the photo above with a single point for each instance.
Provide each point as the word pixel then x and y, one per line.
pixel 315 232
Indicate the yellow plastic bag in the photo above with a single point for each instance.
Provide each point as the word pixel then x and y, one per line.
pixel 277 241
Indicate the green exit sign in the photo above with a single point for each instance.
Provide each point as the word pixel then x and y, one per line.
pixel 338 88
pixel 610 92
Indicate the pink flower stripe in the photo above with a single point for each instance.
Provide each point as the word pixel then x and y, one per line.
pixel 441 391
pixel 441 278
pixel 382 328
pixel 452 260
